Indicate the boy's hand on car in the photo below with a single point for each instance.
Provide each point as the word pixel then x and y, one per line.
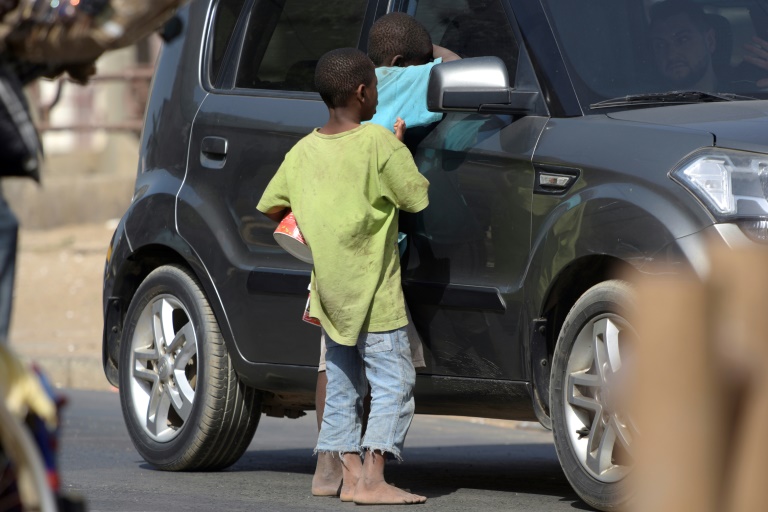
pixel 399 129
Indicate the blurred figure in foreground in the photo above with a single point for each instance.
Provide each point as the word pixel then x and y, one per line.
pixel 40 38
pixel 699 397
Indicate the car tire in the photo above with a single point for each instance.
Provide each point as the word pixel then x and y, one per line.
pixel 592 433
pixel 182 401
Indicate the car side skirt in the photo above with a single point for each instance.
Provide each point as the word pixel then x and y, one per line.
pixel 292 388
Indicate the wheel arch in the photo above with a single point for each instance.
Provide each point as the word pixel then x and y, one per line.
pixel 128 277
pixel 571 283
pixel 563 292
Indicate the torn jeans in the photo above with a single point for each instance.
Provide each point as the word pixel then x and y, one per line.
pixel 382 359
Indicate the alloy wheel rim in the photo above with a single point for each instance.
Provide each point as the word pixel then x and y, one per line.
pixel 600 432
pixel 163 365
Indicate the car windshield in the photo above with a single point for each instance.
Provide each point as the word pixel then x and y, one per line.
pixel 626 53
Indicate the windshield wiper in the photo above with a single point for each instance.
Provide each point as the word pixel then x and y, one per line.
pixel 669 98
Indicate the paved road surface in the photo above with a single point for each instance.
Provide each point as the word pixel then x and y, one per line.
pixel 459 465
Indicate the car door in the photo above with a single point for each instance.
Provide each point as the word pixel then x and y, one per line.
pixel 468 250
pixel 261 102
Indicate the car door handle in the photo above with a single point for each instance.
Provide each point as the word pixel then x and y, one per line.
pixel 213 152
pixel 214 147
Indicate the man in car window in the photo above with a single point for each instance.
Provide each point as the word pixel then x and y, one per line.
pixel 683 42
pixel 685 47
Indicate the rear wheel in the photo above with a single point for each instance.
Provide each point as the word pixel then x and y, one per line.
pixel 592 432
pixel 182 402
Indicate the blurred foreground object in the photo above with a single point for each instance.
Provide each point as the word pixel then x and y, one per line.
pixel 71 34
pixel 21 391
pixel 699 396
pixel 47 38
pixel 29 433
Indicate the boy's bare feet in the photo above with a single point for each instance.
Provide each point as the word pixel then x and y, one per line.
pixel 327 478
pixel 352 467
pixel 382 493
pixel 372 489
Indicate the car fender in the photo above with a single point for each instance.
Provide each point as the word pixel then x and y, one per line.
pixel 138 247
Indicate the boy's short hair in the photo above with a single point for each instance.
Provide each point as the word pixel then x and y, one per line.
pixel 397 33
pixel 339 72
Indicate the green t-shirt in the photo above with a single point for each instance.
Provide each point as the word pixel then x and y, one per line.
pixel 345 191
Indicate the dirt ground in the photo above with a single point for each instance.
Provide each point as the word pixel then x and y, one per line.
pixel 57 299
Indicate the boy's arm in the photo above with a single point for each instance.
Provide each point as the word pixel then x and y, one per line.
pixel 402 184
pixel 276 213
pixel 443 53
pixel 275 200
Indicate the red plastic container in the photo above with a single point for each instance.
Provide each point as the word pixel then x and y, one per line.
pixel 289 237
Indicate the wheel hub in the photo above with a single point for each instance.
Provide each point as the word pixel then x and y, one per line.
pixel 165 368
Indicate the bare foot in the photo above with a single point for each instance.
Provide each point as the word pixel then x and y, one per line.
pixel 382 493
pixel 348 490
pixel 352 467
pixel 327 478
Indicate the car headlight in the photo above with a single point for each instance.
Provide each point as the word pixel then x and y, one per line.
pixel 733 185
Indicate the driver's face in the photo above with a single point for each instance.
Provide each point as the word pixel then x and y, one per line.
pixel 682 51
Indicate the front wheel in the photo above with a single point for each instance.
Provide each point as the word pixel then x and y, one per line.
pixel 182 402
pixel 592 432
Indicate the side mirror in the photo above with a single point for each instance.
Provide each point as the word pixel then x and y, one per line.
pixel 478 84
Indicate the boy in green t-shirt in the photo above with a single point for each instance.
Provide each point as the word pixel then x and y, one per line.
pixel 402 51
pixel 345 183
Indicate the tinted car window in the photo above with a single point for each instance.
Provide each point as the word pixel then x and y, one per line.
pixel 471 28
pixel 636 59
pixel 285 38
pixel 226 15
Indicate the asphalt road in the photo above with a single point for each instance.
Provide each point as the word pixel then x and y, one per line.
pixel 459 465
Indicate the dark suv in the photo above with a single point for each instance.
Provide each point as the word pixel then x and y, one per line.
pixel 565 158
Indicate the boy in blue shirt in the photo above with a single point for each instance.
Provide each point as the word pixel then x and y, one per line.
pixel 402 50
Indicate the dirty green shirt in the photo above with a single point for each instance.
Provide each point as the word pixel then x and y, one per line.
pixel 345 191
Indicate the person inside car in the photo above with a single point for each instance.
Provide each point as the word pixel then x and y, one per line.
pixel 689 56
pixel 345 183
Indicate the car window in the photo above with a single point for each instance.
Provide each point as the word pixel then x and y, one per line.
pixel 646 54
pixel 471 28
pixel 224 23
pixel 285 38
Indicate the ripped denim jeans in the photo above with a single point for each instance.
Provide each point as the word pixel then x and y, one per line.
pixel 382 359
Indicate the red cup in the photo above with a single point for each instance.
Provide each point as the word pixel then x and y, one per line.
pixel 289 237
